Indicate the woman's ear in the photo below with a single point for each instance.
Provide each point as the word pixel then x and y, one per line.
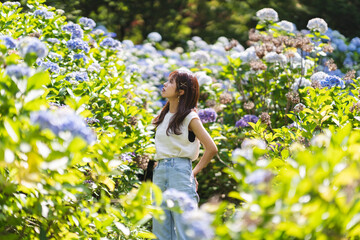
pixel 181 92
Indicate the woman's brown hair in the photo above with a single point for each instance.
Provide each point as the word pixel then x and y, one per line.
pixel 188 82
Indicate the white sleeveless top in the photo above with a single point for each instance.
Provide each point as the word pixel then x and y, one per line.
pixel 176 145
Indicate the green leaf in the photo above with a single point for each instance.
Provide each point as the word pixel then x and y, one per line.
pixel 38 80
pixel 12 129
pixel 145 235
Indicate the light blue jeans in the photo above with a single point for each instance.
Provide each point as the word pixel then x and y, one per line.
pixel 173 173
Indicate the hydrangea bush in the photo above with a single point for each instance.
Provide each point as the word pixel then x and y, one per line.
pixel 76 134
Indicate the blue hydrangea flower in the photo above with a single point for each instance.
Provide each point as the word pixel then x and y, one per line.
pixel 207 115
pixel 111 43
pixel 63 120
pixel 87 22
pixel 55 56
pixel 98 32
pixel 29 45
pixel 133 68
pixel 18 71
pixel 53 40
pixel 243 122
pixel 198 225
pixel 174 197
pixel 53 67
pixel 80 56
pixel 110 34
pixel 77 43
pixel 95 67
pixel 197 222
pixel 78 76
pixel 9 41
pixel 332 81
pixel 259 176
pixel 12 4
pixel 74 29
pixel 44 13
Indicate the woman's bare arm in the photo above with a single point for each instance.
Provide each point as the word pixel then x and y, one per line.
pixel 205 139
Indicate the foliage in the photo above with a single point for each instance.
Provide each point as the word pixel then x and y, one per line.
pixel 287 132
pixel 55 182
pixel 179 20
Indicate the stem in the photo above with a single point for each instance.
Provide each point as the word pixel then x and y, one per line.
pixel 302 70
pixel 239 84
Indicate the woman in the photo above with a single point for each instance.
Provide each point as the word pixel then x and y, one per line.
pixel 179 132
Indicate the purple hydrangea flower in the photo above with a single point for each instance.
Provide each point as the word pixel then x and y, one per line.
pixel 87 22
pixel 9 41
pixel 30 45
pixel 53 67
pixel 111 43
pixel 127 156
pixel 207 115
pixel 63 120
pixel 243 122
pixel 92 120
pixel 77 43
pixel 108 118
pixel 74 29
pixel 18 71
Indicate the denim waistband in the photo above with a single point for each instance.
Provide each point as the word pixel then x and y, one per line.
pixel 173 159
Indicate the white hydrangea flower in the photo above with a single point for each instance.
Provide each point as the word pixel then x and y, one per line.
pixel 201 44
pixel 304 83
pixel 203 78
pixel 60 11
pixel 273 57
pixel 187 71
pixel 253 142
pixel 223 40
pixel 267 14
pixel 322 139
pixel 246 56
pixel 200 56
pixel 318 77
pixel 286 26
pixel 317 24
pixel 11 4
pixel 196 38
pixel 154 37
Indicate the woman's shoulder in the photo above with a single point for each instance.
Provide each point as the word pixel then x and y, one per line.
pixel 192 114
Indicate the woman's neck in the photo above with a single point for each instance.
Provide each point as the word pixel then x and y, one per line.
pixel 173 105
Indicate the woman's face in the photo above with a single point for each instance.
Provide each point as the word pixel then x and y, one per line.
pixel 169 89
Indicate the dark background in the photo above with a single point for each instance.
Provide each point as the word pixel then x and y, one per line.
pixel 179 20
